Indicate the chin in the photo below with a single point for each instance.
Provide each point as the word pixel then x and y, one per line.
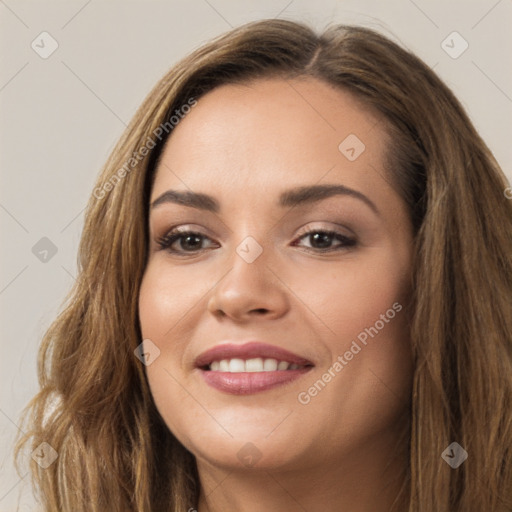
pixel 242 455
pixel 251 444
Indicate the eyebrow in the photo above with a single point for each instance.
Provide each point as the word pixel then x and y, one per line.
pixel 290 198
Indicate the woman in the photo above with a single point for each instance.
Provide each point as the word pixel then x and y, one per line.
pixel 294 294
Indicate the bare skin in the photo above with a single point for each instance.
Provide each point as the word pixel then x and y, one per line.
pixel 245 145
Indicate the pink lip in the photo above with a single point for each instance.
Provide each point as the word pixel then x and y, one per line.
pixel 244 383
pixel 248 351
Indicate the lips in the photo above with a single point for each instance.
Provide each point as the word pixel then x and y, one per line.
pixel 244 379
pixel 250 350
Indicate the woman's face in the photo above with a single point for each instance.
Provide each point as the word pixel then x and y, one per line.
pixel 260 267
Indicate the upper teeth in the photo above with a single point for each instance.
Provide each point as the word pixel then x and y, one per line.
pixel 257 364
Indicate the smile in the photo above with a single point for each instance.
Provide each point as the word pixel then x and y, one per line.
pixel 254 365
pixel 243 369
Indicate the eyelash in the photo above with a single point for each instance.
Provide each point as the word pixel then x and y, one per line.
pixel 165 242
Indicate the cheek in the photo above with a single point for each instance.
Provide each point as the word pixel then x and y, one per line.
pixel 367 311
pixel 362 308
pixel 166 296
pixel 160 308
pixel 350 296
pixel 167 301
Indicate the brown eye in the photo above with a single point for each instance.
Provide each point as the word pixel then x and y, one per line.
pixel 187 241
pixel 322 240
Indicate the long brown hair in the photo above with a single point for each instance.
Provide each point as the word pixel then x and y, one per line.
pixel 115 452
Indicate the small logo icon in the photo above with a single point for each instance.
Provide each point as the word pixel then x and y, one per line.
pixel 454 45
pixel 249 455
pixel 44 455
pixel 44 45
pixel 249 249
pixel 454 455
pixel 44 250
pixel 147 352
pixel 351 147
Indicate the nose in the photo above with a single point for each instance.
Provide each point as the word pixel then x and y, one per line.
pixel 249 290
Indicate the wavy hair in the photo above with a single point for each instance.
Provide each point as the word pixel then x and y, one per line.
pixel 94 406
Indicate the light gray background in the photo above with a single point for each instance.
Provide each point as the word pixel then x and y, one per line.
pixel 61 116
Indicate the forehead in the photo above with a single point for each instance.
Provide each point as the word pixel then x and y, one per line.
pixel 273 132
